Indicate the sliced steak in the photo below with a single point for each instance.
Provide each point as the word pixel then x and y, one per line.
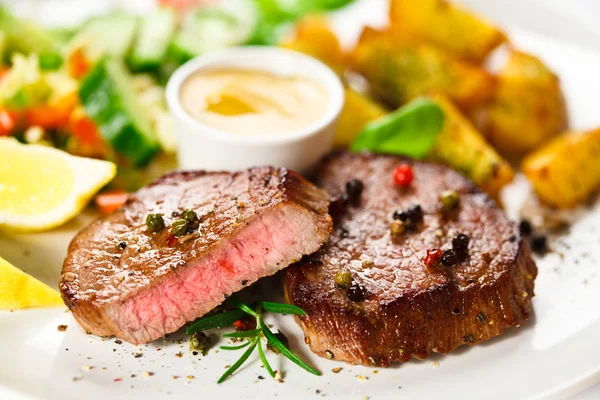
pixel 397 307
pixel 120 279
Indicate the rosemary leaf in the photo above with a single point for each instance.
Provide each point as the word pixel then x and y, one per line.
pixel 240 361
pixel 243 334
pixel 286 352
pixel 216 321
pixel 238 303
pixel 282 308
pixel 234 347
pixel 261 353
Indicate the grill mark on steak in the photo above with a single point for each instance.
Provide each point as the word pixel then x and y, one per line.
pixel 151 287
pixel 412 310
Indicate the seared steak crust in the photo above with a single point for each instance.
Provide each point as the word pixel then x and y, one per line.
pixel 121 279
pixel 410 310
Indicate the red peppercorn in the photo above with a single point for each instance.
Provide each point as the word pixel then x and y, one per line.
pixel 403 175
pixel 245 324
pixel 171 241
pixel 433 258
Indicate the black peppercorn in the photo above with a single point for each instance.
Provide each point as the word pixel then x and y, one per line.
pixel 415 212
pixel 539 244
pixel 525 228
pixel 400 215
pixel 449 258
pixel 356 292
pixel 354 188
pixel 410 217
pixel 460 243
pixel 337 206
pixel 122 245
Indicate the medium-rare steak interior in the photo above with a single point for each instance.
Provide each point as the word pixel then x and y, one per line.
pixel 120 278
pixel 409 270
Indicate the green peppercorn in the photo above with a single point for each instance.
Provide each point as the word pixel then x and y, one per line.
pixel 449 200
pixel 200 342
pixel 155 222
pixel 343 279
pixel 192 218
pixel 179 227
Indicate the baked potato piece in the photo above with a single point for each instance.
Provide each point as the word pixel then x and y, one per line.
pixel 528 107
pixel 313 36
pixel 400 70
pixel 457 31
pixel 565 171
pixel 463 148
pixel 357 112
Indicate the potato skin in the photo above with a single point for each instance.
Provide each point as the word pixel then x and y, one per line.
pixel 449 27
pixel 463 148
pixel 528 107
pixel 566 171
pixel 313 36
pixel 400 70
pixel 358 111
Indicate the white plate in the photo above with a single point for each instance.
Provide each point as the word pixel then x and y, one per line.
pixel 553 355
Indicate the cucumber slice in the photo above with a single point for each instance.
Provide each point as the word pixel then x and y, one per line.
pixel 213 27
pixel 154 35
pixel 114 31
pixel 25 36
pixel 109 100
pixel 50 61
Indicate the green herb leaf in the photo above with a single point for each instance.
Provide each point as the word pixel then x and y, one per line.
pixel 261 353
pixel 242 334
pixel 409 131
pixel 280 308
pixel 216 321
pixel 286 352
pixel 234 347
pixel 238 303
pixel 239 362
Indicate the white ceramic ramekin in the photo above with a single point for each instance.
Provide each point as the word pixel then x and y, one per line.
pixel 204 147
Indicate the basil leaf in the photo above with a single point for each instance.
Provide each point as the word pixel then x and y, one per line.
pixel 409 131
pixel 216 321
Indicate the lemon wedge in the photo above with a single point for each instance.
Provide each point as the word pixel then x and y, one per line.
pixel 42 187
pixel 19 290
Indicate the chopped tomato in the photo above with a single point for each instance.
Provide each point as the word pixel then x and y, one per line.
pixel 111 200
pixel 184 4
pixel 3 72
pixel 78 65
pixel 84 129
pixel 50 116
pixel 8 121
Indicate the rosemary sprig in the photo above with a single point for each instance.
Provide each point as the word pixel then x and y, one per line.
pixel 253 336
pixel 216 321
pixel 234 347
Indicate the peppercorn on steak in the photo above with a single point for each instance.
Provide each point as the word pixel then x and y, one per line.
pixel 182 245
pixel 414 266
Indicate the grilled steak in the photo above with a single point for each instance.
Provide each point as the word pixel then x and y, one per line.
pixel 120 279
pixel 397 307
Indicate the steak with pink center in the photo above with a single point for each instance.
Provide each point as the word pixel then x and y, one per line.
pixel 121 279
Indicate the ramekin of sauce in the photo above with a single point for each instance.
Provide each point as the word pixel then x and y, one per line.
pixel 249 106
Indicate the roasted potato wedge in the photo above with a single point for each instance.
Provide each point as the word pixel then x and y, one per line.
pixel 314 37
pixel 528 107
pixel 463 148
pixel 457 31
pixel 357 112
pixel 566 171
pixel 400 70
